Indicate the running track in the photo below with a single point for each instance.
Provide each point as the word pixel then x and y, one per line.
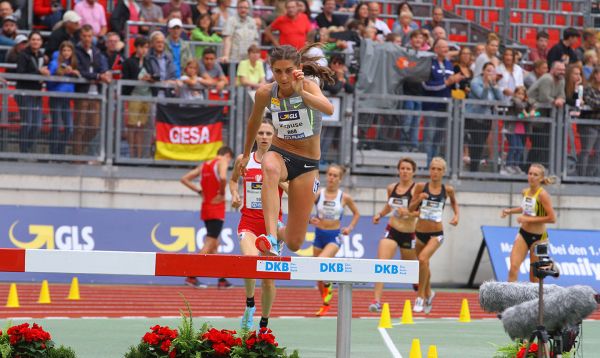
pixel 117 301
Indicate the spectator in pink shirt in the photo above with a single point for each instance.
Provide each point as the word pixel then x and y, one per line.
pixel 540 52
pixel 93 14
pixel 186 10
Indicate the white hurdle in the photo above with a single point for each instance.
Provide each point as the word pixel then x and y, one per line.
pixel 344 271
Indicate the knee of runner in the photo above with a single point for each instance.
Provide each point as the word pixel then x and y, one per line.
pixel 423 261
pixel 293 245
pixel 271 169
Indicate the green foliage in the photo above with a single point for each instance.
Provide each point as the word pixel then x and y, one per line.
pixel 62 352
pixel 187 344
pixel 137 351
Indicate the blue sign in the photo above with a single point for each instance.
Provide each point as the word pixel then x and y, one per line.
pixel 57 228
pixel 575 252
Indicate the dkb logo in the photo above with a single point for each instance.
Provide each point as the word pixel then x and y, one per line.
pixel 276 266
pixel 332 267
pixel 390 269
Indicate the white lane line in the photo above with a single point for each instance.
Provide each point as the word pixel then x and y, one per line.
pixel 94 317
pixel 57 317
pixel 388 342
pixel 134 317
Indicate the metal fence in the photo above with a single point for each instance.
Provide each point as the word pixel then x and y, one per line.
pixel 48 125
pixel 368 133
pixel 581 142
pixel 387 127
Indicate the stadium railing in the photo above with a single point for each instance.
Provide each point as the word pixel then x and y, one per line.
pixel 364 134
pixel 490 133
pixel 123 105
pixel 46 133
pixel 382 131
pixel 581 143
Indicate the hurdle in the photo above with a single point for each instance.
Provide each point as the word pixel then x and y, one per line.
pixel 344 271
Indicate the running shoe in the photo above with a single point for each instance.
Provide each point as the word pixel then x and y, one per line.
pixel 193 282
pixel 375 307
pixel 327 294
pixel 418 305
pixel 280 245
pixel 223 283
pixel 429 303
pixel 248 318
pixel 267 245
pixel 322 311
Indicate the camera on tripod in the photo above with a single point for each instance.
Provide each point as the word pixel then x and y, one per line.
pixel 544 266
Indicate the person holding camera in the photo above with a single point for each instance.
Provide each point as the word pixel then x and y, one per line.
pixel 536 211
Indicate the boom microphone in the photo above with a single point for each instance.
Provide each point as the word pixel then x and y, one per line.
pixel 498 296
pixel 562 308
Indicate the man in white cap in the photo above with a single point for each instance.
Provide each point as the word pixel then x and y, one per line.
pixel 179 50
pixel 67 31
pixel 11 55
pixel 9 31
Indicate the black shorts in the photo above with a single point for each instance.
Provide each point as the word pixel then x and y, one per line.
pixel 213 227
pixel 530 238
pixel 406 240
pixel 424 237
pixel 295 164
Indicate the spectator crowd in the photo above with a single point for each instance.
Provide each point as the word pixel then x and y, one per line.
pixel 191 48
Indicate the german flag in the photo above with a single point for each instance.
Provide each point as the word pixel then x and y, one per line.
pixel 184 132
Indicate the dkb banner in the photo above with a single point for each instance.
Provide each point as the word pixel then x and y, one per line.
pixel 56 228
pixel 576 252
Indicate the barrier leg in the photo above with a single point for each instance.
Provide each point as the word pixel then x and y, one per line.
pixel 344 320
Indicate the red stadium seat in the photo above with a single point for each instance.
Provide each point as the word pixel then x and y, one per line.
pixel 560 20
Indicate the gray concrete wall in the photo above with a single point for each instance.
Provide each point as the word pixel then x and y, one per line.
pixel 577 207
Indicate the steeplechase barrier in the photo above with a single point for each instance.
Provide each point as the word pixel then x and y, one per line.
pixel 341 270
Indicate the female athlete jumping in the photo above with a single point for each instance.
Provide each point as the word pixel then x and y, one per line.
pixel 297 106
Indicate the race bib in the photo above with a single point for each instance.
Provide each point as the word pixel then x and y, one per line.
pixel 328 210
pixel 431 210
pixel 292 124
pixel 398 203
pixel 253 198
pixel 528 206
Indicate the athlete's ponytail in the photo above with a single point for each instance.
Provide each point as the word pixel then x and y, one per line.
pixel 310 66
pixel 546 180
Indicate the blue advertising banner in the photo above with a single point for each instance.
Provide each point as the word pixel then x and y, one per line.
pixel 575 252
pixel 57 228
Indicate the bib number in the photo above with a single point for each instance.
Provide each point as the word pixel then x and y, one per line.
pixel 398 203
pixel 528 206
pixel 431 210
pixel 292 124
pixel 253 197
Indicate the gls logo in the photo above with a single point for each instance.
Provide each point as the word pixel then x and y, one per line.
pixel 335 267
pixel 390 269
pixel 288 116
pixel 190 240
pixel 64 237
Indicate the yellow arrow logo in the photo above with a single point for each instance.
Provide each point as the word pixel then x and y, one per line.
pixel 186 236
pixel 44 235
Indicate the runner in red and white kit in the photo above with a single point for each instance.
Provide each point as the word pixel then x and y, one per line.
pixel 213 179
pixel 252 222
